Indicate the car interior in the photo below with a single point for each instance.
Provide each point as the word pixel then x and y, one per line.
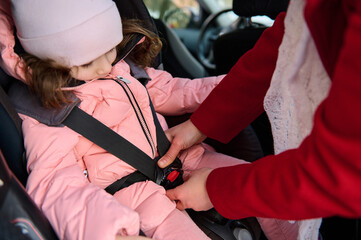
pixel 204 46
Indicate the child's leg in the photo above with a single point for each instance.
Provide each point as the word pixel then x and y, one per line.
pixel 158 215
pixel 215 160
pixel 178 225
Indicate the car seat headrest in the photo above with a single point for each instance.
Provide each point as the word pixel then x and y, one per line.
pixel 136 9
pixel 249 8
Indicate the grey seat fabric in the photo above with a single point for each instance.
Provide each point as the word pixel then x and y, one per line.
pixel 176 57
pixel 184 57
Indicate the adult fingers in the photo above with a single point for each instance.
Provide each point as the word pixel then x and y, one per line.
pixel 170 155
pixel 180 206
pixel 173 194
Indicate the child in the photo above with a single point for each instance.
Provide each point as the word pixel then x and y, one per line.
pixel 72 46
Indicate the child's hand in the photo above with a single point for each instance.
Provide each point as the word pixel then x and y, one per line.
pixel 181 137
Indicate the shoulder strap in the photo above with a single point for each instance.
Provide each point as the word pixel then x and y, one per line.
pixel 142 76
pixel 106 138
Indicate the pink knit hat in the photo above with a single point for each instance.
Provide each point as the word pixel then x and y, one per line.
pixel 70 32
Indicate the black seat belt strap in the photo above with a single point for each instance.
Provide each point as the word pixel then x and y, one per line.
pixel 162 140
pixel 106 138
pixel 126 181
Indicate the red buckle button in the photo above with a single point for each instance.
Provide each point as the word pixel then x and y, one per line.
pixel 172 176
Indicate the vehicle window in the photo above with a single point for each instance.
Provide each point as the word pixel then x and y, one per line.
pixel 223 4
pixel 175 13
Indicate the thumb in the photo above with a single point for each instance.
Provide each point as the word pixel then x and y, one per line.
pixel 169 134
pixel 172 194
pixel 169 156
pixel 180 206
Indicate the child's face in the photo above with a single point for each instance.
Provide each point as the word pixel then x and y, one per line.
pixel 98 68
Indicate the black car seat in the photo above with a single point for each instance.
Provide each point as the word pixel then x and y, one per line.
pixel 13 149
pixel 231 45
pixel 20 218
pixel 11 140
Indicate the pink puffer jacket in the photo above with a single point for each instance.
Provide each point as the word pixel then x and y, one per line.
pixel 76 205
pixel 58 156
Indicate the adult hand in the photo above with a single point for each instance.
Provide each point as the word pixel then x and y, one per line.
pixel 192 193
pixel 181 137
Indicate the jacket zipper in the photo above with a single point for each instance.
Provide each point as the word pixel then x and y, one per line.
pixel 124 84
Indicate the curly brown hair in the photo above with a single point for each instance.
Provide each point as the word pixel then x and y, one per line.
pixel 46 78
pixel 143 54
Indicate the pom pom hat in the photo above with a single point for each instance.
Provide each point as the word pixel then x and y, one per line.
pixel 70 32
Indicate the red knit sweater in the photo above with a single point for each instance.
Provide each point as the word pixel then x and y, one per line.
pixel 322 177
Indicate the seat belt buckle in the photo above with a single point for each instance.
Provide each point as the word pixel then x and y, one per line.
pixel 170 176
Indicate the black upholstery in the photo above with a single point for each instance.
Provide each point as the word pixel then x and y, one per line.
pixel 11 140
pixel 229 47
pixel 19 216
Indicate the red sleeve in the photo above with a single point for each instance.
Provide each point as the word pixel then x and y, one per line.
pixel 320 178
pixel 238 99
